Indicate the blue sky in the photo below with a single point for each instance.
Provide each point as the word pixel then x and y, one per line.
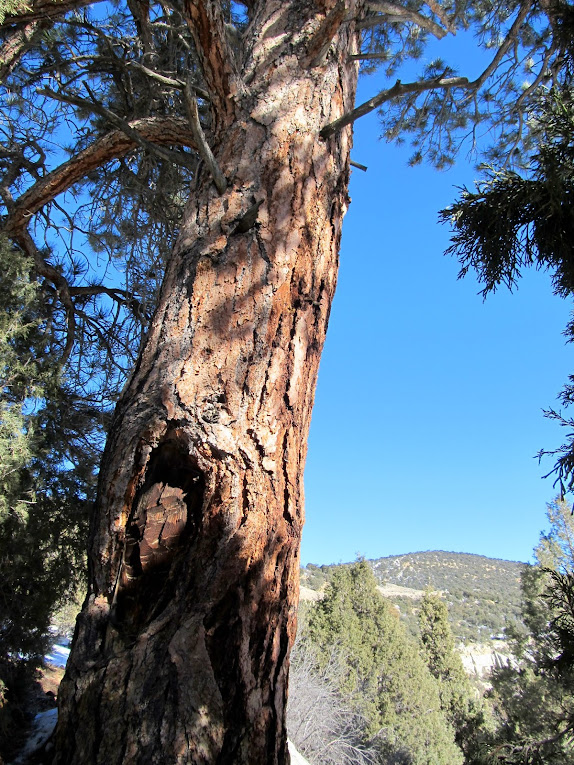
pixel 428 413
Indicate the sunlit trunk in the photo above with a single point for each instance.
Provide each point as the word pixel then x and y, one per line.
pixel 182 649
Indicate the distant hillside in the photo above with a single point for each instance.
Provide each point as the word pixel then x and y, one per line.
pixel 483 594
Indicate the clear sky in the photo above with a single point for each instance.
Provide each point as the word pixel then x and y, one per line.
pixel 428 413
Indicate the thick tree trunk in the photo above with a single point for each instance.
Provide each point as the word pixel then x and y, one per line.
pixel 181 651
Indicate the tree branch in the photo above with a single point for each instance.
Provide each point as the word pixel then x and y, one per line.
pixel 47 270
pixel 98 108
pixel 404 14
pixel 440 14
pixel 510 38
pixel 15 45
pixel 169 81
pixel 398 89
pixel 157 130
pixel 39 10
pixel 207 27
pixel 202 146
pixel 123 297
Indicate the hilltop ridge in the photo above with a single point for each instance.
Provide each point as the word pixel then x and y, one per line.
pixel 482 593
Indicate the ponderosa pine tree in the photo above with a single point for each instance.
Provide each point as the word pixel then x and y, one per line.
pixel 242 114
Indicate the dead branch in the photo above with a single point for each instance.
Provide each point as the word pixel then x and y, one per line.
pixel 201 141
pixel 398 89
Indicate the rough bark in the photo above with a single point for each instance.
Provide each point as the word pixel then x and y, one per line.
pixel 181 651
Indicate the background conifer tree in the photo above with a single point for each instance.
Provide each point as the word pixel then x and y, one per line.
pixel 533 696
pixel 382 671
pixel 459 701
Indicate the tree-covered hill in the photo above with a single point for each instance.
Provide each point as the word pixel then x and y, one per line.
pixel 483 594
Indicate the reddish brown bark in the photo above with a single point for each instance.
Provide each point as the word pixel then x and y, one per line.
pixel 181 651
pixel 14 46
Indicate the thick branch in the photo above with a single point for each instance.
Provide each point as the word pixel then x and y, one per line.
pixel 44 9
pixel 398 89
pixel 159 130
pixel 15 45
pixel 95 106
pixel 207 27
pixel 440 14
pixel 321 41
pixel 399 13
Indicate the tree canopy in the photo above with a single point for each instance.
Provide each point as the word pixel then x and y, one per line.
pixel 108 108
pixel 115 117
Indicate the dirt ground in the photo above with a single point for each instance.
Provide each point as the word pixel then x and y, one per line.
pixel 42 695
